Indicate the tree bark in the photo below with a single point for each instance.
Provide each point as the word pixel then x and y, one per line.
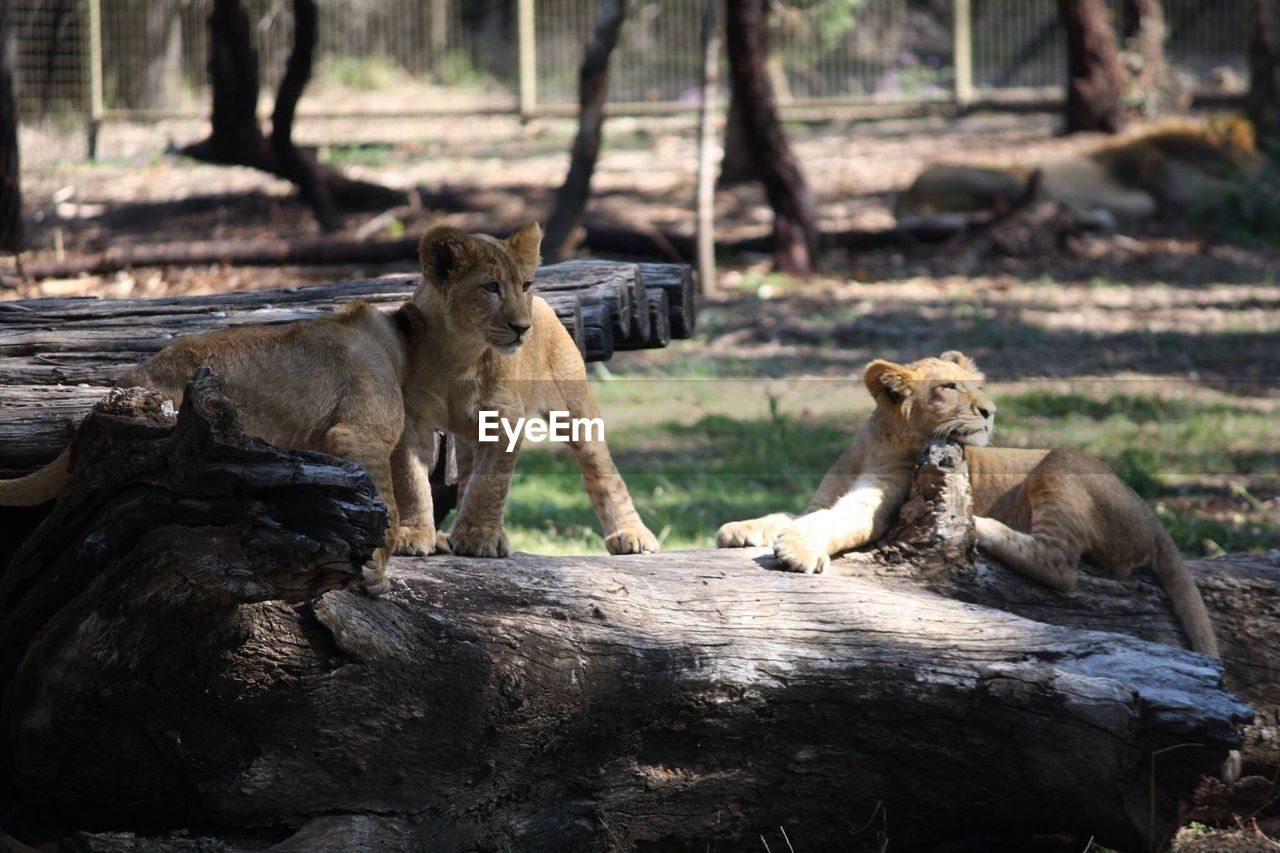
pixel 177 651
pixel 794 225
pixel 1095 78
pixel 11 236
pixel 1263 102
pixel 593 89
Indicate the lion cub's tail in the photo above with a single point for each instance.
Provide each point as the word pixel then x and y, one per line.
pixel 1177 580
pixel 38 486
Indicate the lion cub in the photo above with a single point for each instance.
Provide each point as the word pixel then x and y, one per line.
pixel 1037 511
pixel 371 386
pixel 481 341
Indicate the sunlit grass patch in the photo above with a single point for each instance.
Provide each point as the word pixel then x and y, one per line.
pixel 696 454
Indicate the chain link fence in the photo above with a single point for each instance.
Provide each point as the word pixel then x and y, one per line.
pixel 139 59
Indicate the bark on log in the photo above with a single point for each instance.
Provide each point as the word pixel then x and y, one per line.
pixel 667 702
pixel 73 341
pixel 659 325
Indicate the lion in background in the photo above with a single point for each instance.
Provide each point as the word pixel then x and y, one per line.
pixel 1169 166
pixel 1037 511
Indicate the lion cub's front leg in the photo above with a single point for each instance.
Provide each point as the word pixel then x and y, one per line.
pixel 478 532
pixel 416 534
pixel 754 532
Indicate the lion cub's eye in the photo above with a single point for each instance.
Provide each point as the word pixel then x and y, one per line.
pixel 492 287
pixel 950 386
pixel 525 287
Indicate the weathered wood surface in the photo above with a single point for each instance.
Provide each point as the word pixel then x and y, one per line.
pixel 71 341
pixel 172 667
pixel 659 331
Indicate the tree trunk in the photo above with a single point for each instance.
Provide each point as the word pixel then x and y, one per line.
pixel 794 226
pixel 237 140
pixel 593 89
pixel 1146 29
pixel 1263 104
pixel 177 651
pixel 298 167
pixel 1095 78
pixel 11 237
pixel 706 196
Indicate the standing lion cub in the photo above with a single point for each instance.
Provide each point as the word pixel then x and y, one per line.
pixel 371 387
pixel 1037 511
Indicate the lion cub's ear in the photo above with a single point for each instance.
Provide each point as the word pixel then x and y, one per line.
pixel 527 245
pixel 445 252
pixel 891 384
pixel 959 358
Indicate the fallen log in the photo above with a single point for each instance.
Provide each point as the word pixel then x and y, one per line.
pixel 682 294
pixel 659 333
pixel 176 650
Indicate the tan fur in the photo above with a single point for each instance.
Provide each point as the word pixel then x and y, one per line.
pixel 331 384
pixel 1168 165
pixel 356 386
pixel 1037 511
pixel 478 362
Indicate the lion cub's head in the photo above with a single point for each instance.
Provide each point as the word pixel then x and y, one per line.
pixel 934 397
pixel 479 285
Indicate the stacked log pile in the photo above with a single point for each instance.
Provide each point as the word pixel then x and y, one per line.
pixel 58 356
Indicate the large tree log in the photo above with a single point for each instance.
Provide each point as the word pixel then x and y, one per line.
pixel 162 678
pixel 73 341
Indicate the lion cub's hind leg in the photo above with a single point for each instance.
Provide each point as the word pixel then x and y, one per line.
pixel 1044 558
pixel 754 532
pixel 374 454
pixel 416 534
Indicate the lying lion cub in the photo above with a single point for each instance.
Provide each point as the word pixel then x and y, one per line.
pixel 371 386
pixel 1038 511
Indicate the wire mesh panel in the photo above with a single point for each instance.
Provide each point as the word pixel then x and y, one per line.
pixel 50 64
pixel 423 56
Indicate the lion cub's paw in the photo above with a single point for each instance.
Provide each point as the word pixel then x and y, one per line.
pixel 635 539
pixel 479 541
pixel 374 576
pixel 742 534
pixel 797 554
pixel 420 541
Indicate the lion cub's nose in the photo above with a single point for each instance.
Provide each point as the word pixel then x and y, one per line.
pixel 520 328
pixel 985 411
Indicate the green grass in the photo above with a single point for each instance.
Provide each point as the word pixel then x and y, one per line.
pixel 697 453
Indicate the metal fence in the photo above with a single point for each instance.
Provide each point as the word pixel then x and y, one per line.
pixel 138 59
